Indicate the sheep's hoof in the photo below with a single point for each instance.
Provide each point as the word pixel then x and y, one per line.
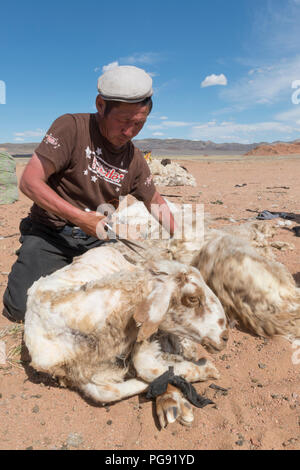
pixel 171 406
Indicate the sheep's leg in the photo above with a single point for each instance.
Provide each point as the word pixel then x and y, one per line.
pixel 112 391
pixel 171 406
pixel 150 363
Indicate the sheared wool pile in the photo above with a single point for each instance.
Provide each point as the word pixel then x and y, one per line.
pixel 170 175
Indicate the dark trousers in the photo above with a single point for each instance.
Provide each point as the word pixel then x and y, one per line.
pixel 43 250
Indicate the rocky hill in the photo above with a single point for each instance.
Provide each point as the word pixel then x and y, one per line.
pixel 276 148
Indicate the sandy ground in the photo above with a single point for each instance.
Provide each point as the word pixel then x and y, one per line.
pixel 261 408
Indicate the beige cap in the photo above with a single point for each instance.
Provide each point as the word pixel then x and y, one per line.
pixel 125 83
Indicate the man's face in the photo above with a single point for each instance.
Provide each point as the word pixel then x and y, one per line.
pixel 123 122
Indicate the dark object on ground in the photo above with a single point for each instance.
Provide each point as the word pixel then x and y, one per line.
pixel 217 202
pixel 183 167
pixel 277 187
pixel 166 161
pixel 240 185
pixel 267 215
pixel 297 231
pixel 159 386
pixel 217 387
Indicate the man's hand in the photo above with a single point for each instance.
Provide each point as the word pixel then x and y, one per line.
pixel 93 223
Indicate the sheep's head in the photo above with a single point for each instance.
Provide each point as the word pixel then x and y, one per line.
pixel 181 303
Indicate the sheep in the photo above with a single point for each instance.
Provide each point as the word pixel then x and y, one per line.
pixel 238 265
pixel 96 330
pixel 256 291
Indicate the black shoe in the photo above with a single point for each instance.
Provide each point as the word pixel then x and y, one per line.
pixel 7 315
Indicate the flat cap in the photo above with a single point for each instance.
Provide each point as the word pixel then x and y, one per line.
pixel 125 83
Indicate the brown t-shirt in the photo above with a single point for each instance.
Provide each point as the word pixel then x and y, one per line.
pixel 89 171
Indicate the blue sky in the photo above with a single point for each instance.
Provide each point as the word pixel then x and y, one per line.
pixel 223 70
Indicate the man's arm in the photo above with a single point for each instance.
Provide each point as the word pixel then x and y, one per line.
pixel 160 210
pixel 34 185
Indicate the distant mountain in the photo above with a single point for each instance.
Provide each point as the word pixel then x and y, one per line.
pixel 19 150
pixel 163 147
pixel 192 147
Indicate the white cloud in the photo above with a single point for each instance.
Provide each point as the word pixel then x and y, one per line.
pixel 110 66
pixel 169 124
pixel 175 123
pixel 19 139
pixel 163 117
pixel 142 58
pixel 244 133
pixel 292 115
pixel 267 85
pixel 275 28
pixel 146 58
pixel 153 127
pixel 273 56
pixel 36 133
pixel 231 131
pixel 212 80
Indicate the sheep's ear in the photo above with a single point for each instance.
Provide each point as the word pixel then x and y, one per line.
pixel 150 312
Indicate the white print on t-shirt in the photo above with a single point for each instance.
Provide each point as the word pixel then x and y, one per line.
pixel 148 180
pixel 49 139
pixel 89 153
pixel 103 170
